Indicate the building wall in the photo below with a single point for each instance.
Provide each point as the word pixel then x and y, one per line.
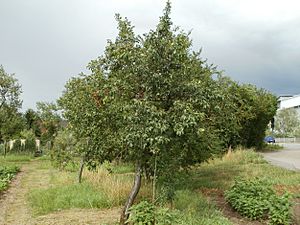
pixel 293 102
pixel 289 102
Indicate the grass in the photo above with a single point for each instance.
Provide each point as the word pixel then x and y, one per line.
pixel 13 160
pixel 66 197
pixel 220 173
pixel 121 183
pixel 212 178
pixel 10 166
pixel 110 184
pixel 99 189
pixel 268 147
pixel 194 209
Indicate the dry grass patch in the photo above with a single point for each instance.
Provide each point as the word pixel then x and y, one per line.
pixel 115 186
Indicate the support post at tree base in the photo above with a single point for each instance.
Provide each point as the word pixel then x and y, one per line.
pixel 80 170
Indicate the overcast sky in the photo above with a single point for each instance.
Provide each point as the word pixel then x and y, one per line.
pixel 45 42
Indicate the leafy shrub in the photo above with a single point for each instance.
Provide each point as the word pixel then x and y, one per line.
pixel 146 213
pixel 256 199
pixel 280 210
pixel 6 175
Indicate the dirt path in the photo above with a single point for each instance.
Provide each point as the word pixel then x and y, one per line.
pixel 14 208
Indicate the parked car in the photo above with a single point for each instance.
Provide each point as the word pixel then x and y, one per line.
pixel 269 139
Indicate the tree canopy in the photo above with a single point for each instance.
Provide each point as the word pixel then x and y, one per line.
pixel 11 122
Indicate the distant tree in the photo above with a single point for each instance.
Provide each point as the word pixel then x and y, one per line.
pixel 256 109
pixel 49 120
pixel 287 122
pixel 242 112
pixel 33 122
pixel 10 90
pixel 11 122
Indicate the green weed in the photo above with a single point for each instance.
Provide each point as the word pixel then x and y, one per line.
pixel 6 175
pixel 256 199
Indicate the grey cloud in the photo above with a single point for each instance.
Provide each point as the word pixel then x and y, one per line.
pixel 47 42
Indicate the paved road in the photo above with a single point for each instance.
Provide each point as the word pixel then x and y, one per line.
pixel 288 158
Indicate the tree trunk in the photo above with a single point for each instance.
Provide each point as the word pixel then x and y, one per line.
pixel 134 191
pixel 80 170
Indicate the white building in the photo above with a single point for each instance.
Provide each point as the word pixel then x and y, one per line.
pixel 285 102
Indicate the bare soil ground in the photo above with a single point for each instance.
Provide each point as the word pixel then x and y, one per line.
pixel 14 208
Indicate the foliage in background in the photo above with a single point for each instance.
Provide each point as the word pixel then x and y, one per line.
pixel 287 123
pixel 257 199
pixel 260 107
pixel 65 149
pixel 49 120
pixel 30 137
pixel 30 143
pixel 32 121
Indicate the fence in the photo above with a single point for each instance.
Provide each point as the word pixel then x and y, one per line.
pixel 288 140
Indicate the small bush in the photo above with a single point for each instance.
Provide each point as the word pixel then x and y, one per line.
pixel 280 210
pixel 256 199
pixel 146 213
pixel 6 175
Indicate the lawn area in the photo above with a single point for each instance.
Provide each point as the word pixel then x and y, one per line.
pixel 108 187
pixel 196 196
pixel 15 159
pixel 221 173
